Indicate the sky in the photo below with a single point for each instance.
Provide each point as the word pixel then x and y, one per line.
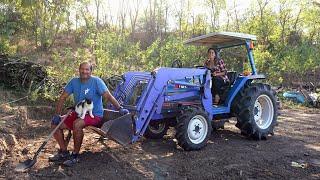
pixel 116 4
pixel 111 9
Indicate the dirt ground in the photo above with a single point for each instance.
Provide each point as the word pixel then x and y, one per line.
pixel 228 155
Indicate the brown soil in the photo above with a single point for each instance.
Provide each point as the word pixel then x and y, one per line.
pixel 228 155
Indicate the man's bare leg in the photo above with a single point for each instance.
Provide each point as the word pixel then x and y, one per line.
pixel 78 126
pixel 59 136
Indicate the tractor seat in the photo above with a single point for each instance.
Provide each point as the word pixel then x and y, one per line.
pixel 232 76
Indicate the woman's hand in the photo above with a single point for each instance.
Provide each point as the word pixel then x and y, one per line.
pixel 206 62
pixel 214 73
pixel 218 73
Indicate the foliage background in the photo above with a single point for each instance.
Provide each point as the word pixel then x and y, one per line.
pixel 143 35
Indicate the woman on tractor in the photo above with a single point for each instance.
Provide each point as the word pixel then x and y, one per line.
pixel 218 72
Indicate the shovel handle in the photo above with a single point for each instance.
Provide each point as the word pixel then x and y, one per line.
pixel 51 134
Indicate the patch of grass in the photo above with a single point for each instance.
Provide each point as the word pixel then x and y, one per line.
pixel 8 95
pixel 296 106
pixel 17 98
pixel 291 105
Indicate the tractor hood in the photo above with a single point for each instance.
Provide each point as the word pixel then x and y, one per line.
pixel 221 39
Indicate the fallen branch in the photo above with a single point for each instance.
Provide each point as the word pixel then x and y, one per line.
pixel 14 100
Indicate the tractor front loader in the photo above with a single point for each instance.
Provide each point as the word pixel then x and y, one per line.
pixel 181 98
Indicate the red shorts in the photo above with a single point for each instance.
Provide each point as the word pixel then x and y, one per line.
pixel 88 121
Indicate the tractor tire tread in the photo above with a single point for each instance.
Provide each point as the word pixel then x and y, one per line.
pixel 242 108
pixel 182 128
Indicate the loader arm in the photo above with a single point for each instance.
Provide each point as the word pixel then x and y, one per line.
pixel 153 97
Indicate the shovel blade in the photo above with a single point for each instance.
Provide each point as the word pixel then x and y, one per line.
pixel 24 166
pixel 120 129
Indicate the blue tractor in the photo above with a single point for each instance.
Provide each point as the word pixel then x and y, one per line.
pixel 181 98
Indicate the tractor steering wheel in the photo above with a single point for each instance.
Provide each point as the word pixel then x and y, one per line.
pixel 176 64
pixel 200 67
pixel 113 81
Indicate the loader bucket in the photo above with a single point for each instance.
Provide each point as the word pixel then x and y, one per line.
pixel 120 129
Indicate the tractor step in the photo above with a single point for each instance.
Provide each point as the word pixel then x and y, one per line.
pixel 220 109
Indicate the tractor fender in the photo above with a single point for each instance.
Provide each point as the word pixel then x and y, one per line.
pixel 239 84
pixel 257 76
pixel 236 88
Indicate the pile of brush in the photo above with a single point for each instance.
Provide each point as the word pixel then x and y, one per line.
pixel 21 74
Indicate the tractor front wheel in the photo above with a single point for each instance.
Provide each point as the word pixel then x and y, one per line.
pixel 193 129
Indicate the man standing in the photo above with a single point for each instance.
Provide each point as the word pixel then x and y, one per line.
pixel 83 87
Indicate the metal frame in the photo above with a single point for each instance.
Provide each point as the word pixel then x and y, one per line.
pixel 221 40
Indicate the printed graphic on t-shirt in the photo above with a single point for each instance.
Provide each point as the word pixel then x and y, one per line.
pixel 86 91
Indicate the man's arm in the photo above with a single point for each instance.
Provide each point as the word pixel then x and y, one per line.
pixel 108 96
pixel 61 101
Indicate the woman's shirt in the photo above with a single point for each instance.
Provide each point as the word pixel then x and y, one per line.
pixel 217 66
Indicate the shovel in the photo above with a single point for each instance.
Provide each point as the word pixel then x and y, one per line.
pixel 22 167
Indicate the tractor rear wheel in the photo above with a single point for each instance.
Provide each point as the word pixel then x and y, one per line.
pixel 256 110
pixel 156 130
pixel 193 129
